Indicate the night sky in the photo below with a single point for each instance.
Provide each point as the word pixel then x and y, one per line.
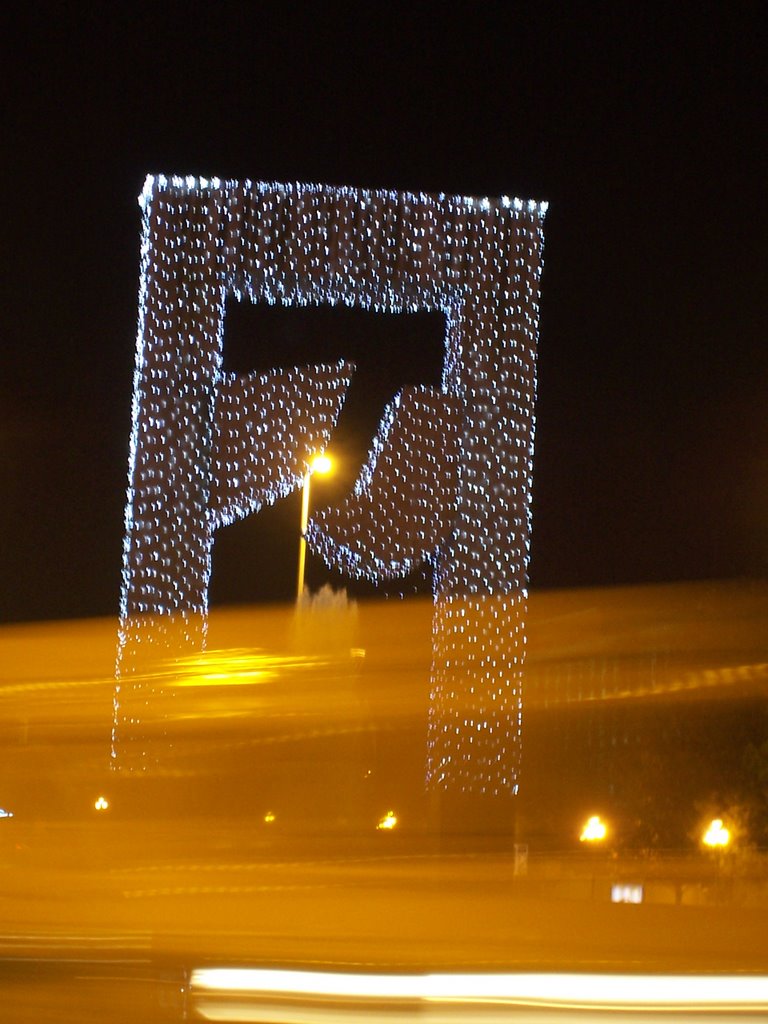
pixel 645 130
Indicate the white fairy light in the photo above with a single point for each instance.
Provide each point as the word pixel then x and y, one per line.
pixel 449 477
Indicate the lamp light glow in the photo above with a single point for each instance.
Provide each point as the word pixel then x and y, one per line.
pixel 595 830
pixel 717 836
pixel 387 822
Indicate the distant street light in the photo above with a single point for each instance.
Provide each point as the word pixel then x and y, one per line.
pixel 593 833
pixel 319 464
pixel 717 836
pixel 594 830
pixel 101 804
pixel 387 822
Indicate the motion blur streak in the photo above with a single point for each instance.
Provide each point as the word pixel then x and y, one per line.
pixel 253 839
pixel 610 991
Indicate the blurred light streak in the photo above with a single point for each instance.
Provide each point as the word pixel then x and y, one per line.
pixel 234 668
pixel 606 992
pixel 687 684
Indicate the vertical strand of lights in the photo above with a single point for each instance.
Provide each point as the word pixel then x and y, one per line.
pixel 206 449
pixel 167 565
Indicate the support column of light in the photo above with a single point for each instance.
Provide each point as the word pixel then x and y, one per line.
pixel 319 464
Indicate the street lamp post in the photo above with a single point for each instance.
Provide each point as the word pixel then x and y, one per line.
pixel 593 834
pixel 319 464
pixel 717 838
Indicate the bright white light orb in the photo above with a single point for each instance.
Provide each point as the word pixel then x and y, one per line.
pixel 717 836
pixel 594 830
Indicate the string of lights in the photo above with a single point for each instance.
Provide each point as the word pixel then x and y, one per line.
pixel 404 501
pixel 449 477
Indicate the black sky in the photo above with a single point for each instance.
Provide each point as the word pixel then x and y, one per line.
pixel 644 128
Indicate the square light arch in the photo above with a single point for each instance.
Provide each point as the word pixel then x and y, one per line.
pixel 478 262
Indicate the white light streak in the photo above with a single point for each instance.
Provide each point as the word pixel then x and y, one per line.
pixel 573 991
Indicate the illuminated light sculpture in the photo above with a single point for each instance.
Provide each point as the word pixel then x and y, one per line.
pixel 266 431
pixel 449 478
pixel 404 501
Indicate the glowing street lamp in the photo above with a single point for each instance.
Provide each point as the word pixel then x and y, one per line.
pixel 594 830
pixel 319 464
pixel 717 836
pixel 101 804
pixel 593 833
pixel 387 822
